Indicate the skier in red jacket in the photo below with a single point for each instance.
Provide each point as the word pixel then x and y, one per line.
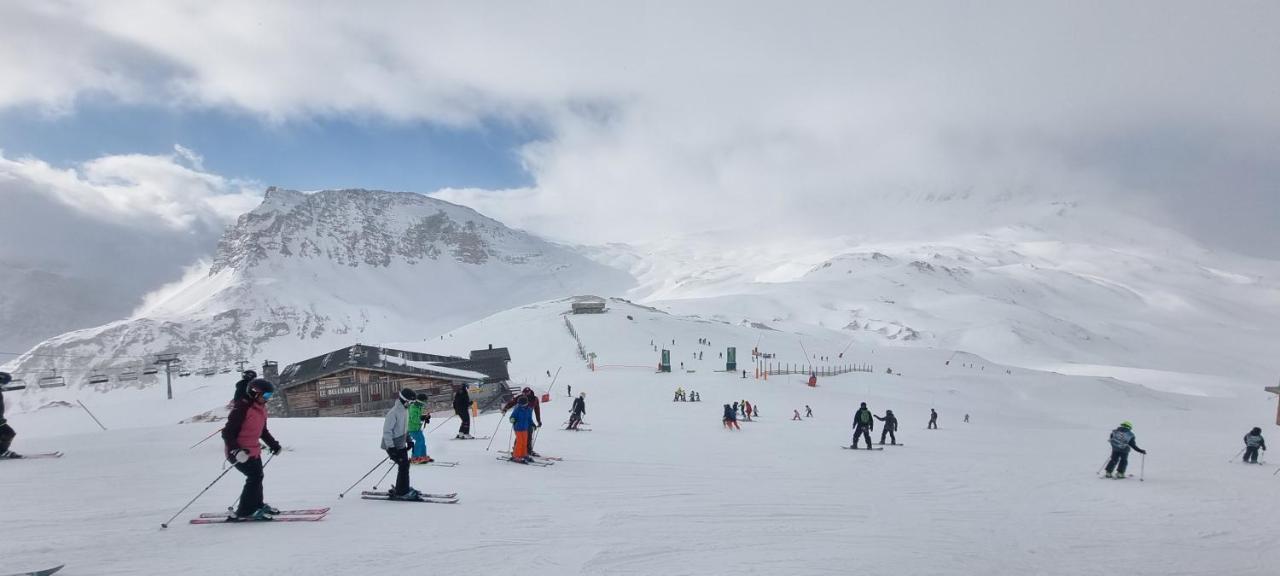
pixel 246 425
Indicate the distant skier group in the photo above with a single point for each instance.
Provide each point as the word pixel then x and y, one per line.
pixel 681 396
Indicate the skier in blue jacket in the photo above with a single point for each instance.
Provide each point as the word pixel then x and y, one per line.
pixel 1122 440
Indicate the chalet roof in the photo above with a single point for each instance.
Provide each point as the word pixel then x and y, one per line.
pixel 392 361
pixel 491 352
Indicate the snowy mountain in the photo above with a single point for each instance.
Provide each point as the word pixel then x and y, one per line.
pixel 308 272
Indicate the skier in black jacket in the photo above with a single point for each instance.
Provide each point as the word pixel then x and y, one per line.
pixel 243 385
pixel 1122 439
pixel 6 431
pixel 462 407
pixel 1252 442
pixel 579 408
pixel 890 426
pixel 863 423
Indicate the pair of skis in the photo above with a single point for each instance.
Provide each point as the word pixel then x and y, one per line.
pixel 45 572
pixel 436 463
pixel 34 457
pixel 301 515
pixel 450 498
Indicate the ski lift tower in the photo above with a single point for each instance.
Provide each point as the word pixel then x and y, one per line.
pixel 1275 390
pixel 168 359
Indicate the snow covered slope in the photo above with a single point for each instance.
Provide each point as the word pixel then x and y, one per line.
pixel 661 488
pixel 308 272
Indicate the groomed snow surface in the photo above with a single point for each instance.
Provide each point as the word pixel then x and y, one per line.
pixel 662 488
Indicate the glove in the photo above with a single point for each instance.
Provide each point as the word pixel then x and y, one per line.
pixel 239 456
pixel 275 448
pixel 408 442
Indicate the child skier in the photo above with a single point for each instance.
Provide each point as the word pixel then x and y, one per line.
pixel 808 412
pixel 797 416
pixel 746 410
pixel 863 423
pixel 461 407
pixel 395 440
pixel 933 419
pixel 579 408
pixel 6 432
pixel 890 426
pixel 246 426
pixel 1122 439
pixel 417 419
pixel 1252 442
pixel 532 400
pixel 731 418
pixel 522 425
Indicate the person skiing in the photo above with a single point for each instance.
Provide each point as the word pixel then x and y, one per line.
pixel 1122 439
pixel 797 416
pixel 242 386
pixel 890 426
pixel 746 410
pixel 579 408
pixel 731 418
pixel 808 412
pixel 736 410
pixel 1252 442
pixel 396 441
pixel 933 419
pixel 246 428
pixel 755 410
pixel 461 407
pixel 966 418
pixel 570 391
pixel 417 419
pixel 863 423
pixel 532 400
pixel 679 394
pixel 6 431
pixel 522 425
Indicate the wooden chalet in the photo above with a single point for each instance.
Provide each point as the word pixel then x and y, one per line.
pixel 365 380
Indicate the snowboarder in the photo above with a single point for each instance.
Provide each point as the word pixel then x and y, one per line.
pixel 863 423
pixel 461 407
pixel 242 386
pixel 417 418
pixel 396 441
pixel 1122 439
pixel 808 412
pixel 579 408
pixel 246 428
pixel 6 431
pixel 730 418
pixel 532 400
pixel 797 416
pixel 522 425
pixel 890 426
pixel 1252 442
pixel 933 419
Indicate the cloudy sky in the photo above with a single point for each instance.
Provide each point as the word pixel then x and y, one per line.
pixel 598 121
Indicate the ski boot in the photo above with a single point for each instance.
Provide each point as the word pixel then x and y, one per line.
pixel 1119 476
pixel 411 494
pixel 269 509
pixel 1109 475
pixel 258 515
pixel 534 454
pixel 9 454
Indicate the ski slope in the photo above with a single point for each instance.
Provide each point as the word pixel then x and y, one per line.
pixel 661 488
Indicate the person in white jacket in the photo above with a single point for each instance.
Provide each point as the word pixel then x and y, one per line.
pixel 395 440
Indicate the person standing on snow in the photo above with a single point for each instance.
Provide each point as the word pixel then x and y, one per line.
pixel 6 431
pixel 933 419
pixel 808 412
pixel 797 416
pixel 1252 442
pixel 243 385
pixel 1122 439
pixel 522 425
pixel 755 410
pixel 863 423
pixel 579 408
pixel 532 400
pixel 395 440
pixel 746 410
pixel 890 426
pixel 462 407
pixel 246 427
pixel 417 419
pixel 731 418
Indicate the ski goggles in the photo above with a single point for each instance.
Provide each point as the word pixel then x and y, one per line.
pixel 267 395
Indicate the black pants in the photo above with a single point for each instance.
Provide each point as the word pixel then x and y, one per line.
pixel 933 423
pixel 1119 461
pixel 533 433
pixel 865 432
pixel 6 437
pixel 892 437
pixel 401 457
pixel 251 495
pixel 1251 454
pixel 465 428
pixel 574 420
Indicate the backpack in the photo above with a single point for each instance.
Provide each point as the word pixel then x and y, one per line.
pixel 864 416
pixel 1253 441
pixel 1120 439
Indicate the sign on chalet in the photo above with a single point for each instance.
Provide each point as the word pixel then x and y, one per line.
pixel 365 380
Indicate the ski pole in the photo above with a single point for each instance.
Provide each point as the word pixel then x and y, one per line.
pixel 206 439
pixel 366 475
pixel 495 433
pixel 446 421
pixel 1103 467
pixel 264 467
pixel 95 418
pixel 1233 458
pixel 1142 471
pixel 384 475
pixel 165 524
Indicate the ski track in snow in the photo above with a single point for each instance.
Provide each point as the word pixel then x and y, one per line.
pixel 661 488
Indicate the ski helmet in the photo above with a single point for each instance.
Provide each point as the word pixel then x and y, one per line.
pixel 422 396
pixel 263 387
pixel 248 375
pixel 522 401
pixel 5 378
pixel 1255 430
pixel 1127 425
pixel 408 395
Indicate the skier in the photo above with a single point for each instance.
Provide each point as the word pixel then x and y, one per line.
pixel 532 400
pixel 1122 439
pixel 579 408
pixel 417 418
pixel 245 378
pixel 679 393
pixel 746 410
pixel 808 412
pixel 570 392
pixel 1252 442
pixel 736 410
pixel 461 407
pixel 522 425
pixel 396 441
pixel 731 418
pixel 863 423
pixel 797 416
pixel 890 426
pixel 246 427
pixel 755 410
pixel 933 419
pixel 6 431
pixel 966 418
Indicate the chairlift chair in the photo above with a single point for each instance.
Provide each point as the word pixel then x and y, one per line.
pixel 95 378
pixel 150 371
pixel 52 382
pixel 128 376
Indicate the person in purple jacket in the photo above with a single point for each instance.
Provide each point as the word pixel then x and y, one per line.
pixel 246 427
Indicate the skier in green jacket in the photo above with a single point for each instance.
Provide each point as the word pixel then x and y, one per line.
pixel 417 419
